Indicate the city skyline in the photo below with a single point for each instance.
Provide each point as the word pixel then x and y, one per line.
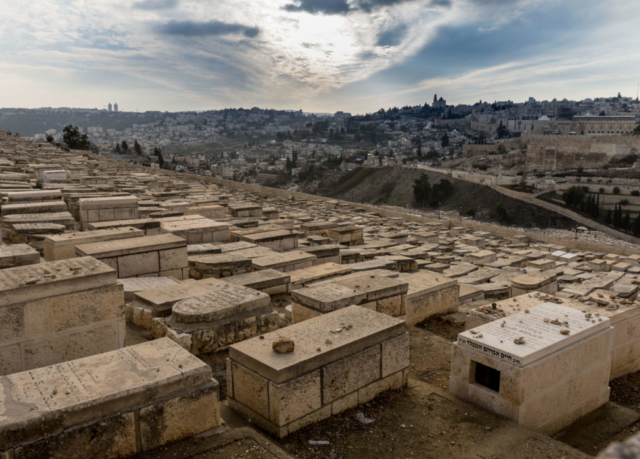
pixel 319 56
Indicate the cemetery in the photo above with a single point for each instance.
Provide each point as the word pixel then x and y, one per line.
pixel 147 313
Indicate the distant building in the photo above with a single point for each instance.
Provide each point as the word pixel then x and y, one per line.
pixel 115 107
pixel 110 107
pixel 342 115
pixel 587 125
pixel 438 103
pixel 341 118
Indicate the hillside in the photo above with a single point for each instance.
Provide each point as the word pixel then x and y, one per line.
pixel 393 186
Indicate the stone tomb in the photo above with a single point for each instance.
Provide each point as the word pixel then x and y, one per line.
pixel 218 265
pixel 227 315
pixel 317 228
pixel 346 235
pixel 481 257
pixel 15 255
pixel 207 211
pixel 245 210
pixel 536 281
pixel 269 281
pixel 340 360
pixel 108 406
pixel 134 285
pixel 302 277
pixel 63 246
pixel 285 261
pixel 10 222
pixel 150 226
pixel 59 311
pixel 378 293
pixel 279 240
pixel 33 208
pixel 148 256
pixel 543 369
pixel 196 229
pixel 624 319
pixel 430 294
pixel 157 302
pixel 95 210
pixel 327 253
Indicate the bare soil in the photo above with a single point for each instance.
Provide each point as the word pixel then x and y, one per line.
pixel 392 186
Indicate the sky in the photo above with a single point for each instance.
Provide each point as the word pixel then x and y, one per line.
pixel 315 55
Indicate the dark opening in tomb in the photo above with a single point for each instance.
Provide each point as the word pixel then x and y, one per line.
pixel 487 377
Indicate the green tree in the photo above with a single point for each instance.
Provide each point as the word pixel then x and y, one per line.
pixel 74 139
pixel 445 140
pixel 440 192
pixel 574 197
pixel 137 147
pixel 502 131
pixel 502 149
pixel 617 216
pixel 503 215
pixel 635 227
pixel 117 148
pixel 421 190
pixel 626 221
pixel 616 190
pixel 125 146
pixel 608 219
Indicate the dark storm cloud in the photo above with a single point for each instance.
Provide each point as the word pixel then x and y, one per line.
pixel 319 6
pixel 204 29
pixel 156 4
pixel 344 6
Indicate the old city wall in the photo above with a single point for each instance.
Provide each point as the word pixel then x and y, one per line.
pixel 559 152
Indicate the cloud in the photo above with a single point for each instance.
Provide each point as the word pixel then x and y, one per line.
pixel 343 6
pixel 319 6
pixel 204 29
pixel 319 55
pixel 392 37
pixel 156 4
pixel 370 5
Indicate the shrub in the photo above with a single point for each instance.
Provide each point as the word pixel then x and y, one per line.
pixel 503 215
pixel 616 190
